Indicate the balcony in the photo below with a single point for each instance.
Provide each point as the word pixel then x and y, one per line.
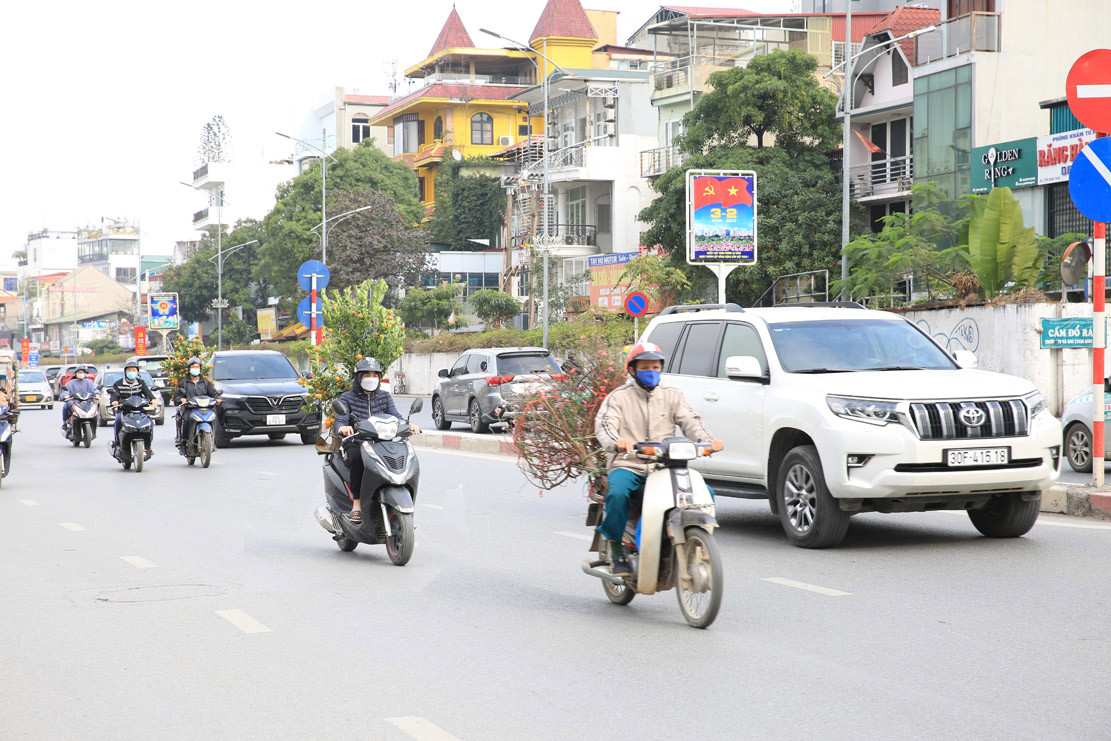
pixel 582 235
pixel 965 33
pixel 882 180
pixel 210 175
pixel 466 78
pixel 199 216
pixel 677 76
pixel 655 162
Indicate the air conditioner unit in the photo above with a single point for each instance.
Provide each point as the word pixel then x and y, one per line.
pixel 505 141
pixel 611 117
pixel 609 102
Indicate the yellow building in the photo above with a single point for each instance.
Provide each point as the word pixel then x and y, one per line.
pixel 469 101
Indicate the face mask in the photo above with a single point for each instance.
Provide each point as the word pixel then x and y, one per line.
pixel 194 371
pixel 131 376
pixel 369 384
pixel 80 376
pixel 649 379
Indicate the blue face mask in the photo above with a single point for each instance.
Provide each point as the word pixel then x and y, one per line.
pixel 194 371
pixel 131 375
pixel 649 379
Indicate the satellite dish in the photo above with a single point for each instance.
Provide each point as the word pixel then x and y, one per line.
pixel 1074 263
pixel 457 155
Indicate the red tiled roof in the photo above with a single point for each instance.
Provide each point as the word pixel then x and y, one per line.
pixel 452 36
pixel 444 90
pixel 903 20
pixel 564 18
pixel 367 99
pixel 50 277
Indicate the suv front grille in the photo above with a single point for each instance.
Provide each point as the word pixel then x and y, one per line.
pixel 943 420
pixel 263 405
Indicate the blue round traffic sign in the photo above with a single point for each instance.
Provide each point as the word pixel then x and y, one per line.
pixel 308 269
pixel 1090 180
pixel 305 307
pixel 636 304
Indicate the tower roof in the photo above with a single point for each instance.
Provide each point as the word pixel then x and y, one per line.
pixel 564 18
pixel 453 35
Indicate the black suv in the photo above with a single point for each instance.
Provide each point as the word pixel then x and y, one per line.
pixel 261 397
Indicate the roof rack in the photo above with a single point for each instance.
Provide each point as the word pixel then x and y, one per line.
pixel 826 304
pixel 701 307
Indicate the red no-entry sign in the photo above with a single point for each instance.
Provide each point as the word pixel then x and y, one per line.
pixel 1088 88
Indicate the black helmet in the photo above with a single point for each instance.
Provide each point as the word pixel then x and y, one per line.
pixel 367 365
pixel 193 360
pixel 131 363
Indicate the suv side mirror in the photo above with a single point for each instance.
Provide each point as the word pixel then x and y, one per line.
pixel 743 367
pixel 442 373
pixel 965 359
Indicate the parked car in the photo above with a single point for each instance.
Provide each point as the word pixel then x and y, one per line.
pixel 66 375
pixel 480 387
pixel 34 389
pixel 152 364
pixel 262 396
pixel 108 377
pixel 828 410
pixel 1077 421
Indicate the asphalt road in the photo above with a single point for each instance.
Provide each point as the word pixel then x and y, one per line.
pixel 190 603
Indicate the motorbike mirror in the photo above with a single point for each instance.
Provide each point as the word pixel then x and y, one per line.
pixel 306 374
pixel 339 406
pixel 418 404
pixel 442 373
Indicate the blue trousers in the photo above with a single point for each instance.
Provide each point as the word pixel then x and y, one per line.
pixel 67 409
pixel 623 485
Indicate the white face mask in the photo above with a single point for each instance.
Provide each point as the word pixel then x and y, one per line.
pixel 369 384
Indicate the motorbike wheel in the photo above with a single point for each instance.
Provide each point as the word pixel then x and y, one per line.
pixel 206 449
pixel 86 436
pixel 138 453
pixel 618 595
pixel 399 546
pixel 346 545
pixel 700 600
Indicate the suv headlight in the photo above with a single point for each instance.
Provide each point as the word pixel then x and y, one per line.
pixel 872 411
pixel 1036 403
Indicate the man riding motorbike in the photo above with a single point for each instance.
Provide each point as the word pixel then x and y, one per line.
pixel 79 384
pixel 640 411
pixel 193 385
pixel 365 399
pixel 126 387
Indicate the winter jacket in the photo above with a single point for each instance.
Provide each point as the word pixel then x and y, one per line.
pixel 364 406
pixel 80 386
pixel 190 388
pixel 125 389
pixel 644 416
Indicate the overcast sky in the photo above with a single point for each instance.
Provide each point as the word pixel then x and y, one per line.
pixel 103 102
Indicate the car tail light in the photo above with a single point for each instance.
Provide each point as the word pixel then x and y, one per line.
pixel 498 380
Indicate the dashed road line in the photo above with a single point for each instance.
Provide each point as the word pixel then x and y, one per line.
pixel 139 562
pixel 433 506
pixel 421 729
pixel 243 621
pixel 71 526
pixel 808 587
pixel 269 473
pixel 29 502
pixel 576 536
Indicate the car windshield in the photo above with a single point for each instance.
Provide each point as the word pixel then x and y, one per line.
pixel 32 377
pixel 253 368
pixel 151 366
pixel 855 345
pixel 110 377
pixel 523 364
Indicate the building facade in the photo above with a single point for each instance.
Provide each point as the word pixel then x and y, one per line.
pixel 342 120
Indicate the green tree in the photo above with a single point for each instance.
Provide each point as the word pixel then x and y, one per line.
pixel 289 239
pixel 651 274
pixel 774 94
pixel 430 307
pixel 374 244
pixel 195 281
pixel 494 307
pixel 469 204
pixel 215 144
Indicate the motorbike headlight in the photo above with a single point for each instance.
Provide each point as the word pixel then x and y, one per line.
pixel 1036 403
pixel 682 451
pixel 873 411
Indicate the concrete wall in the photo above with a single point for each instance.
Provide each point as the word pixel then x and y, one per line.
pixel 421 370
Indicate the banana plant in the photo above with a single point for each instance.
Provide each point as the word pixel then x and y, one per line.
pixel 1001 250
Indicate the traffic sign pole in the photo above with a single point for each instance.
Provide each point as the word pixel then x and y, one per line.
pixel 1099 342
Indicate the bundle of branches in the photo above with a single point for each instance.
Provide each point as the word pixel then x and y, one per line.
pixel 554 433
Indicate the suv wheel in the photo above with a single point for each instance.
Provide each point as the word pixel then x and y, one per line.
pixel 309 437
pixel 1078 447
pixel 442 422
pixel 809 514
pixel 1006 516
pixel 221 438
pixel 474 414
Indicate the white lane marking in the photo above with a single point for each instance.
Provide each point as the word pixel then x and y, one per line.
pixel 421 729
pixel 71 526
pixel 808 587
pixel 29 502
pixel 433 506
pixel 139 562
pixel 577 536
pixel 1097 163
pixel 269 473
pixel 243 621
pixel 1093 91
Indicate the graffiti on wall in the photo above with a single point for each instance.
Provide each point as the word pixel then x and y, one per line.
pixel 964 335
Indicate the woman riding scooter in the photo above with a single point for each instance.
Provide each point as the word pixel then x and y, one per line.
pixel 193 385
pixel 365 399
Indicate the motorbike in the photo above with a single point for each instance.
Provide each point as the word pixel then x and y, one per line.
pixel 391 475
pixel 83 420
pixel 136 434
pixel 668 539
pixel 8 417
pixel 197 430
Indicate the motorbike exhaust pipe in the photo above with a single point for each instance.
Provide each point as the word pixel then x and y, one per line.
pixel 591 567
pixel 327 520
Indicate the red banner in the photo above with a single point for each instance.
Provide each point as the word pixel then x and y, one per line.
pixel 140 340
pixel 25 350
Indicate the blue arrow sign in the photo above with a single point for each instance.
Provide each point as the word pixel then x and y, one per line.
pixel 1090 180
pixel 305 307
pixel 307 270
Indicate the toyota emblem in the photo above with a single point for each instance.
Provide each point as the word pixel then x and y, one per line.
pixel 972 416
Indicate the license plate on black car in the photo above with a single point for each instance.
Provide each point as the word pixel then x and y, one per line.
pixel 275 419
pixel 962 457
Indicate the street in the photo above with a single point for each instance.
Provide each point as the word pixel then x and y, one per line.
pixel 186 603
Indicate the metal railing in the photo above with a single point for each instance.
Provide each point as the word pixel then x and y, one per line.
pixel 655 162
pixel 479 79
pixel 797 288
pixel 882 177
pixel 200 215
pixel 965 33
pixel 571 234
pixel 200 172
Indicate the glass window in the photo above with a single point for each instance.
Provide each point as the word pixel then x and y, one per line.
pixel 460 366
pixel 30 376
pixel 899 74
pixel 253 367
pixel 855 345
pixel 476 364
pixel 526 363
pixel 360 129
pixel 964 106
pixel 407 134
pixel 666 336
pixel 482 128
pixel 942 131
pixel 741 339
pixel 438 128
pixel 700 349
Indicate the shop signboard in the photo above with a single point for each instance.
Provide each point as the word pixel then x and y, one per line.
pixel 267 322
pixel 1057 152
pixel 1073 332
pixel 1012 164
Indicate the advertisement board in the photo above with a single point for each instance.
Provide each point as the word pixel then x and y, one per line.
pixel 1057 152
pixel 606 289
pixel 267 322
pixel 140 340
pixel 163 311
pixel 1012 164
pixel 1065 333
pixel 721 217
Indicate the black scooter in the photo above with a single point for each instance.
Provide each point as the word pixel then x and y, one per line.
pixel 391 474
pixel 136 434
pixel 83 420
pixel 8 417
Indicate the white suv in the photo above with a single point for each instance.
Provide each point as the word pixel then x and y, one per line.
pixel 832 409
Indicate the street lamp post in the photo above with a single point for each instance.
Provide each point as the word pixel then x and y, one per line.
pixel 546 182
pixel 219 257
pixel 220 265
pixel 324 156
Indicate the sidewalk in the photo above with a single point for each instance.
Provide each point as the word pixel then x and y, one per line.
pixel 492 444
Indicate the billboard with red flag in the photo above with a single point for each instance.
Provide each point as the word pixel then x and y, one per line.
pixel 721 217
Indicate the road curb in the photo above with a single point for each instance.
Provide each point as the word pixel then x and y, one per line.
pixel 487 444
pixel 1078 501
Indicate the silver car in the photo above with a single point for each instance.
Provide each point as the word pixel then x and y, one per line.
pixel 480 387
pixel 1077 421
pixel 34 389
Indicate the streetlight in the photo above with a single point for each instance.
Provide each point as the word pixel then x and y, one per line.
pixel 546 183
pixel 324 157
pixel 219 257
pixel 220 267
pixel 340 217
pixel 846 131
